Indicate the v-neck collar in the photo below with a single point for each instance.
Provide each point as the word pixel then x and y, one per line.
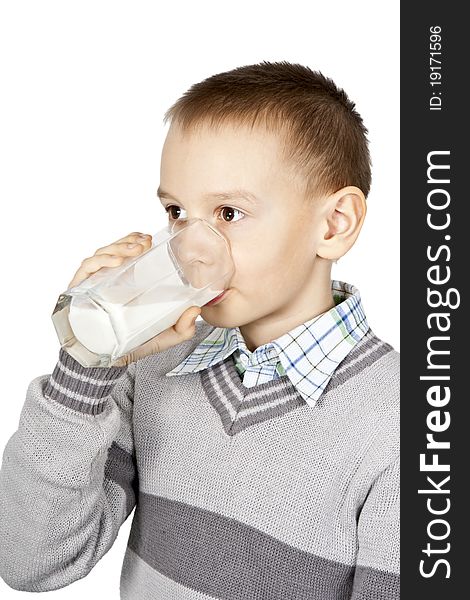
pixel 240 407
pixel 308 354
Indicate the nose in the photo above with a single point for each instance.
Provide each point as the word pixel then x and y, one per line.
pixel 192 242
pixel 199 251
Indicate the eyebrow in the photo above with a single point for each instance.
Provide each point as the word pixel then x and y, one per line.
pixel 228 195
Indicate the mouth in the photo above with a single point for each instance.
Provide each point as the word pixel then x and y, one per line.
pixel 217 299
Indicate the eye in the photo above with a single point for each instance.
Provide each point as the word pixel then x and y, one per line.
pixel 169 210
pixel 228 213
pixel 231 210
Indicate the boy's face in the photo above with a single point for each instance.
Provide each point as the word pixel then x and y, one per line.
pixel 273 238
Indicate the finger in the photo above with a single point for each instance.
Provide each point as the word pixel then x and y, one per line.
pixel 121 247
pixel 185 328
pixel 116 250
pixel 92 264
pixel 132 237
pixel 187 320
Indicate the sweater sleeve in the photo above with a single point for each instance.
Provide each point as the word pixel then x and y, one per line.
pixel 377 572
pixel 68 477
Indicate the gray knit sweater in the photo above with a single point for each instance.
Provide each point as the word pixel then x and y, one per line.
pixel 301 505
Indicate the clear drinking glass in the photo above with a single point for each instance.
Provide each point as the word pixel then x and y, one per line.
pixel 117 309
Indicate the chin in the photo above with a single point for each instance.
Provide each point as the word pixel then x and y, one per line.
pixel 219 316
pixel 217 319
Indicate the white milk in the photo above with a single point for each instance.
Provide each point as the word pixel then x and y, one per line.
pixel 120 328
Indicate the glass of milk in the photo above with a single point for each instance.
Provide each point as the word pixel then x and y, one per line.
pixel 117 309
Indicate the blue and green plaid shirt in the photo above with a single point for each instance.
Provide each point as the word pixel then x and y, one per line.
pixel 308 354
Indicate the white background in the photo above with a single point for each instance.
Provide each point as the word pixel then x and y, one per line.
pixel 84 88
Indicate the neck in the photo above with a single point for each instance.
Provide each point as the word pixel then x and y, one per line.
pixel 313 299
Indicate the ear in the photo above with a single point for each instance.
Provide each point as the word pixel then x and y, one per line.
pixel 344 213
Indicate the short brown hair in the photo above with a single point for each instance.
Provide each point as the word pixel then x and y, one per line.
pixel 324 136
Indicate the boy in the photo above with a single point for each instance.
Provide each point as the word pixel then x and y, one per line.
pixel 260 446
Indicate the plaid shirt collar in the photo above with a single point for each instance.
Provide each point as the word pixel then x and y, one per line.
pixel 308 354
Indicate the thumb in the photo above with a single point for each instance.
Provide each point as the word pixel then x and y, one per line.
pixel 185 326
pixel 185 329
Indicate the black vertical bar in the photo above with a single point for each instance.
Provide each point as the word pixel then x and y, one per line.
pixel 435 240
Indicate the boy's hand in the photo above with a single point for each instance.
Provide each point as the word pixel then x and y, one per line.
pixel 184 329
pixel 112 256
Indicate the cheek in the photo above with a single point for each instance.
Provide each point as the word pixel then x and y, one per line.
pixel 261 267
pixel 247 262
pixel 271 256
